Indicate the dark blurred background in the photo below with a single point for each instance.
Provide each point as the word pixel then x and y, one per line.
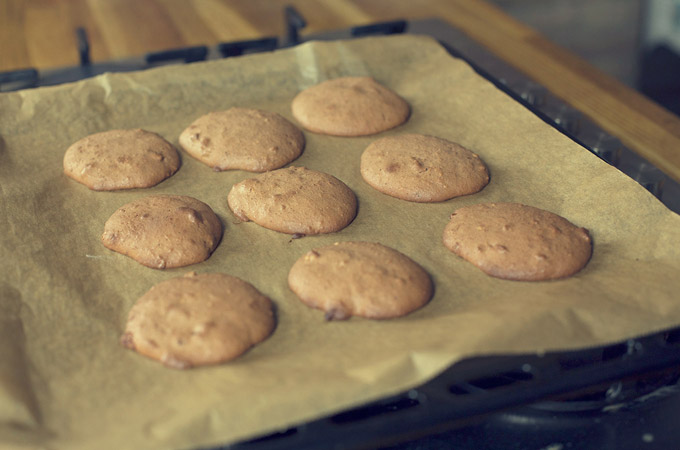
pixel 635 41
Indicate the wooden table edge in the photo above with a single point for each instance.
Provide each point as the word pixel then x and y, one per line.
pixel 641 124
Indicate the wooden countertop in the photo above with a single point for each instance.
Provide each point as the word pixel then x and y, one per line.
pixel 40 34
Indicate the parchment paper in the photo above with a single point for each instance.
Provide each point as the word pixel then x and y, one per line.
pixel 65 382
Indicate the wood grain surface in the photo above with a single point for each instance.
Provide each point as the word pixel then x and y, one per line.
pixel 40 34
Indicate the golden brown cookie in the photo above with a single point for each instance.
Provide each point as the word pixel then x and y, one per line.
pixel 349 106
pixel 294 200
pixel 198 320
pixel 360 279
pixel 245 139
pixel 422 168
pixel 518 242
pixel 121 159
pixel 164 231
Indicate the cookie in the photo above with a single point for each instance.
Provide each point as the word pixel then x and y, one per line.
pixel 121 159
pixel 164 231
pixel 422 168
pixel 294 200
pixel 360 279
pixel 349 106
pixel 198 320
pixel 244 139
pixel 518 242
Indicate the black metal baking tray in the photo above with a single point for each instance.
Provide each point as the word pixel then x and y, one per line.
pixel 622 396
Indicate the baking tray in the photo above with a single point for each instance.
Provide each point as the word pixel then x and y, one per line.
pixel 581 386
pixel 413 396
pixel 475 389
